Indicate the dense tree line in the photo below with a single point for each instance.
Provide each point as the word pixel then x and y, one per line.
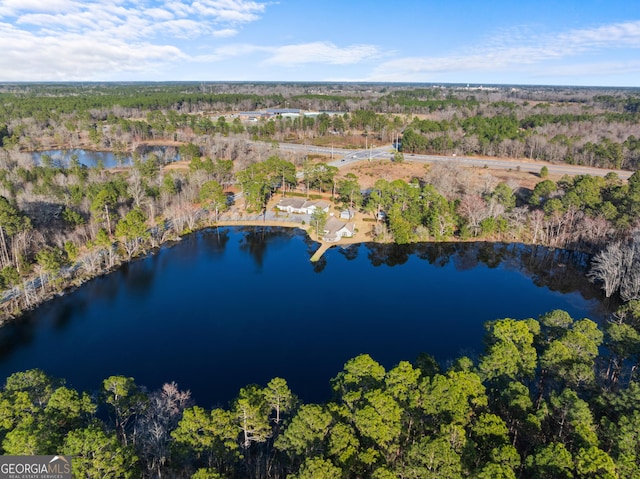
pixel 550 137
pixel 62 224
pixel 550 397
pixel 581 213
pixel 581 126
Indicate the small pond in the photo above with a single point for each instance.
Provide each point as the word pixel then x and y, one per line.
pixel 106 159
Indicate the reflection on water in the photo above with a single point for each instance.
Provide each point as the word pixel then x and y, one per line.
pixel 227 307
pixel 106 159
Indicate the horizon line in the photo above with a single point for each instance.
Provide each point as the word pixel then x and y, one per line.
pixel 311 82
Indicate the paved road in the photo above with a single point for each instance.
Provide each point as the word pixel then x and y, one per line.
pixel 344 157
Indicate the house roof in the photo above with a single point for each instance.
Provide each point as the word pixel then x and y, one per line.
pixel 293 202
pixel 333 226
pixel 299 203
pixel 318 204
pixel 251 113
pixel 280 111
pixel 351 227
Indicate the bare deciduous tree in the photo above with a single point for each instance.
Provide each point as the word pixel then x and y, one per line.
pixel 474 209
pixel 154 425
pixel 91 262
pixel 617 267
pixel 536 222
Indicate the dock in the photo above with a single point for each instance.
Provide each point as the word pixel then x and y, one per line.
pixel 320 251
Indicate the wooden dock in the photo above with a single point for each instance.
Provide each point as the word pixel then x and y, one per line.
pixel 320 251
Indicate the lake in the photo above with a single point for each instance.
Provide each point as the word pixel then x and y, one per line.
pixel 227 307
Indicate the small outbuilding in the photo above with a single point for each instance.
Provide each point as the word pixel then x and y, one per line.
pixel 348 214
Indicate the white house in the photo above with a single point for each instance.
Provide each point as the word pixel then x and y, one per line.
pixel 302 206
pixel 334 229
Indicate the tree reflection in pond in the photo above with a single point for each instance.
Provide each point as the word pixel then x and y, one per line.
pixel 227 307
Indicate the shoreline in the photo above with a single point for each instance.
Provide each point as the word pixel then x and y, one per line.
pixel 9 315
pixel 30 294
pixel 360 238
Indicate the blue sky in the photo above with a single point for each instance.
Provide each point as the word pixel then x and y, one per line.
pixel 549 42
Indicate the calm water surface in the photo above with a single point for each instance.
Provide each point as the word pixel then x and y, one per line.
pixel 229 307
pixel 106 159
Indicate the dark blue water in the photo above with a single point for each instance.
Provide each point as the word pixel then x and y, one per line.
pixel 226 308
pixel 93 159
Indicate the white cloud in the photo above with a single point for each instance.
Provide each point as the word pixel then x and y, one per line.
pixel 514 52
pixel 230 51
pixel 611 68
pixel 160 14
pixel 209 15
pixel 14 7
pixel 220 11
pixel 619 34
pixel 232 11
pixel 183 28
pixel 224 33
pixel 321 52
pixel 84 39
pixel 291 55
pixel 178 7
pixel 75 57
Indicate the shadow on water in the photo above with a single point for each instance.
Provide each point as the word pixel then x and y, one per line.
pixel 217 239
pixel 349 252
pixel 559 270
pixel 256 240
pixel 67 311
pixel 138 276
pixel 16 335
